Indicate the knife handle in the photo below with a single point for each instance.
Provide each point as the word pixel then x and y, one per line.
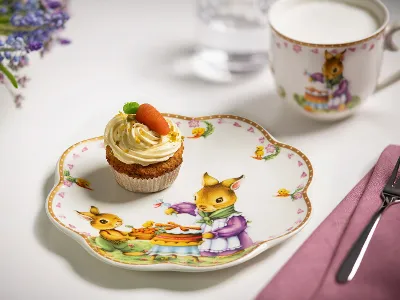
pixel 353 259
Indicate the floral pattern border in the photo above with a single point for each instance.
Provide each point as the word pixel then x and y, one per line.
pixel 297 44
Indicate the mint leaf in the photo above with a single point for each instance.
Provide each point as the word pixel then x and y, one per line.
pixel 131 108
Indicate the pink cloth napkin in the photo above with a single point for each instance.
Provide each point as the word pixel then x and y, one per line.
pixel 310 272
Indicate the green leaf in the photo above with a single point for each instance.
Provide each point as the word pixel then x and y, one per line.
pixel 278 149
pixel 160 230
pixel 281 92
pixel 273 155
pixel 66 173
pixel 299 99
pixel 355 100
pixel 71 179
pixel 10 76
pixel 131 108
pixel 209 129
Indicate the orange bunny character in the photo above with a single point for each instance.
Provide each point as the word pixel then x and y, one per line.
pixel 333 66
pixel 332 76
pixel 110 239
pixel 224 228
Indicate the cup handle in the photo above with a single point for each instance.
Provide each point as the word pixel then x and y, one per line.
pixel 390 46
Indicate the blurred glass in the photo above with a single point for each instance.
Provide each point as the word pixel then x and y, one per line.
pixel 232 35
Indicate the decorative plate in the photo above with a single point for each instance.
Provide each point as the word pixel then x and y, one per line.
pixel 260 186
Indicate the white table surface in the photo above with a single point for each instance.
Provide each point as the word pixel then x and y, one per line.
pixel 121 51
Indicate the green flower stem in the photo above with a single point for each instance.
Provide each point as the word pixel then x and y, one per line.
pixel 5 18
pixel 5 32
pixel 9 27
pixel 10 76
pixel 8 50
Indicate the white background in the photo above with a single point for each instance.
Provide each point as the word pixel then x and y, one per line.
pixel 123 51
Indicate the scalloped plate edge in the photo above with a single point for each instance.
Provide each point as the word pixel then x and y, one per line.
pixel 260 248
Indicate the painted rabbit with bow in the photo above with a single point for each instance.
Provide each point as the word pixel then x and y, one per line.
pixel 224 228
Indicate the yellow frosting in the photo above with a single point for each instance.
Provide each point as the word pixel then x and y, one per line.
pixel 134 143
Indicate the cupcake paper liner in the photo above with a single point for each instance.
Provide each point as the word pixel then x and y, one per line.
pixel 146 185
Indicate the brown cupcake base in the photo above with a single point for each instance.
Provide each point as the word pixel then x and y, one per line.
pixel 150 185
pixel 145 172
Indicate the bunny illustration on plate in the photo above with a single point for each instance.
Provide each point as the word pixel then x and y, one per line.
pixel 224 228
pixel 110 239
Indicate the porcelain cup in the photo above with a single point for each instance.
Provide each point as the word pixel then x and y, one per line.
pixel 300 67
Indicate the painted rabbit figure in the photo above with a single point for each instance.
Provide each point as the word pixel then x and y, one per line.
pixel 109 239
pixel 332 76
pixel 224 229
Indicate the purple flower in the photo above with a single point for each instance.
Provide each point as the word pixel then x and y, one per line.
pixel 16 20
pixel 33 46
pixel 22 81
pixel 18 6
pixel 270 148
pixel 297 195
pixel 58 19
pixel 300 186
pixel 10 40
pixel 24 61
pixel 19 43
pixel 53 4
pixel 18 100
pixel 44 19
pixel 31 5
pixel 194 123
pixel 43 25
pixel 64 41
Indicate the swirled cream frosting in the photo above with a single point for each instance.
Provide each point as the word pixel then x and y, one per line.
pixel 134 143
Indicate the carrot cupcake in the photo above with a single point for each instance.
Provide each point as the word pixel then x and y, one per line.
pixel 143 148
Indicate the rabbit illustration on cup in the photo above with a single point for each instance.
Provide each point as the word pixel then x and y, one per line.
pixel 110 239
pixel 224 228
pixel 332 76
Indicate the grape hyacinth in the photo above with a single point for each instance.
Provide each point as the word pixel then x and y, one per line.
pixel 28 26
